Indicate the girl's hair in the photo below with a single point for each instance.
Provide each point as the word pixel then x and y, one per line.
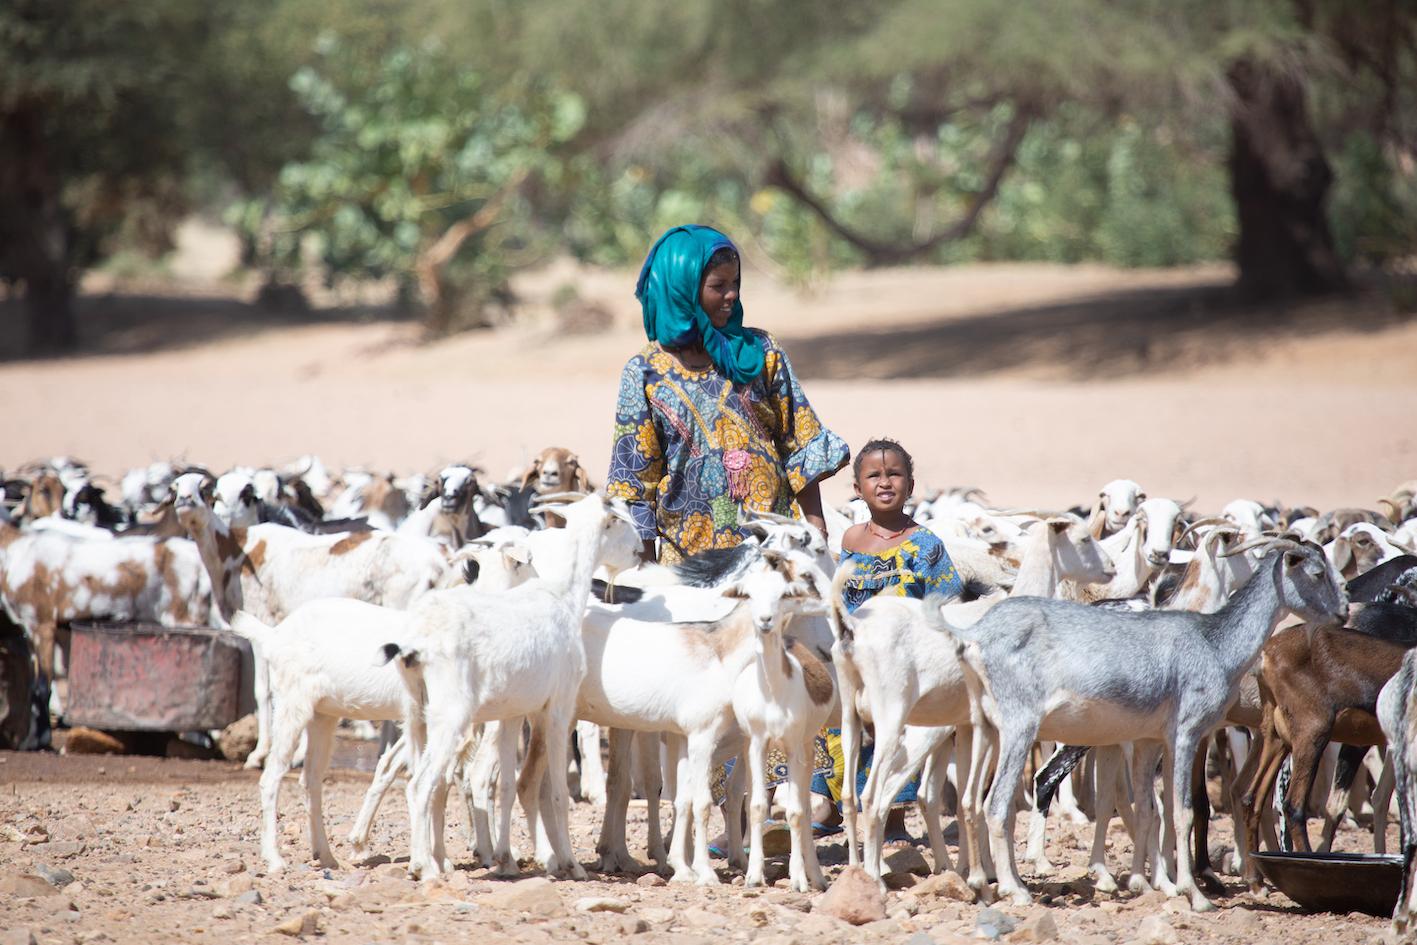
pixel 883 444
pixel 724 254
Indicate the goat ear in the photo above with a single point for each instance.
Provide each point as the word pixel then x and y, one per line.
pixel 582 481
pixel 518 552
pixel 1342 554
pixel 531 473
pixel 734 590
pixel 1141 496
pixel 1060 525
pixel 1292 559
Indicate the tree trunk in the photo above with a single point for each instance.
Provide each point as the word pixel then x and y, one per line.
pixel 49 303
pixel 36 239
pixel 1279 178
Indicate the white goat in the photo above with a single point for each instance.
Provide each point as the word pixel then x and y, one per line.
pixel 476 656
pixel 783 698
pixel 1116 503
pixel 447 517
pixel 322 668
pixel 647 674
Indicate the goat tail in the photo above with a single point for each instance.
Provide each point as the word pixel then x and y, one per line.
pixel 1045 783
pixel 1350 759
pixel 406 655
pixel 245 625
pixel 842 626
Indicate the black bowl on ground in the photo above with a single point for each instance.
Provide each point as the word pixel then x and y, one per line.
pixel 1336 882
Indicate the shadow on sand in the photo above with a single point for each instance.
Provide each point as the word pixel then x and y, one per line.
pixel 1108 335
pixel 1104 336
pixel 141 323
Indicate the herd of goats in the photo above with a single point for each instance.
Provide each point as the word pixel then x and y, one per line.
pixel 1093 647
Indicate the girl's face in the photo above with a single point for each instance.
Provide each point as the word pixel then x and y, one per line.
pixel 883 481
pixel 719 292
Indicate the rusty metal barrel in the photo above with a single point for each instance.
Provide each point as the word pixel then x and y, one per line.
pixel 147 677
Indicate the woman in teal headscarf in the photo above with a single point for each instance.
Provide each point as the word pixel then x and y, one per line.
pixel 711 425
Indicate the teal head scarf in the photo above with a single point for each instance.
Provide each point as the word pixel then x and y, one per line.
pixel 668 290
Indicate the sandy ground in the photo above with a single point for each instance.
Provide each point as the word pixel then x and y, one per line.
pixel 167 850
pixel 1036 383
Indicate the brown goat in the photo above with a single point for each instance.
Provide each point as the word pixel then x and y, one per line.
pixel 1316 685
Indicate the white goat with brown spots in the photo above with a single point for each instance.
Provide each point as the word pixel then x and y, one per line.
pixel 48 580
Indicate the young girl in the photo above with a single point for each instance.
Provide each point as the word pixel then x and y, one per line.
pixel 891 554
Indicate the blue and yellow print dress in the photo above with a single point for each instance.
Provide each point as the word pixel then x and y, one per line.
pixel 921 563
pixel 695 454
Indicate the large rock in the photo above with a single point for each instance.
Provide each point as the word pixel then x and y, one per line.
pixel 238 739
pixel 1039 928
pixel 991 923
pixel 946 885
pixel 536 896
pixel 1155 930
pixel 27 885
pixel 854 898
pixel 300 925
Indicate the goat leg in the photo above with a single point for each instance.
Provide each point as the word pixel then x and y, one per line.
pixel 1200 804
pixel 391 762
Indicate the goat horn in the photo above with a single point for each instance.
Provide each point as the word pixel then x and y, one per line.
pixel 1212 520
pixel 562 497
pixel 1269 544
pixel 776 519
pixel 1036 513
pixel 1187 504
pixel 1394 513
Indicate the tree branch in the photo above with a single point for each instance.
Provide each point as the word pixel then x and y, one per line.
pixel 1001 158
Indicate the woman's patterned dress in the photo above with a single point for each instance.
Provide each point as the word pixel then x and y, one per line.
pixel 696 454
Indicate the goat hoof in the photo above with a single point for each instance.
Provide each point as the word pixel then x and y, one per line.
pixel 1137 884
pixel 1103 882
pixel 707 878
pixel 1042 866
pixel 1201 904
pixel 1021 897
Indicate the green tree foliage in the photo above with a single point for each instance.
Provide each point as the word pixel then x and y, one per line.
pixel 420 170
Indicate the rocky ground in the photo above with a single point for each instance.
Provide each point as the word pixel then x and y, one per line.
pixel 139 849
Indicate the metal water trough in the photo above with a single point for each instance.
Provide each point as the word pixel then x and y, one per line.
pixel 1336 882
pixel 147 677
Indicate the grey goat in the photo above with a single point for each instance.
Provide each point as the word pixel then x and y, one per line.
pixel 1051 669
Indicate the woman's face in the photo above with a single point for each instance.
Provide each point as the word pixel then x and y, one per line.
pixel 883 481
pixel 720 292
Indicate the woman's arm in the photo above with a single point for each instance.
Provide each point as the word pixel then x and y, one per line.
pixel 810 499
